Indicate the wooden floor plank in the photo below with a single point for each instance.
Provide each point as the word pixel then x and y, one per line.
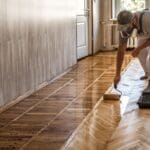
pixel 48 118
pixel 116 125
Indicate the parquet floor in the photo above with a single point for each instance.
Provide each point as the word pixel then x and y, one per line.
pixel 114 125
pixel 69 113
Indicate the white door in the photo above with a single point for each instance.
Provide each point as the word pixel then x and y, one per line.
pixel 82 29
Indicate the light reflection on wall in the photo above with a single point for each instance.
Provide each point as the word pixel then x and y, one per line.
pixel 45 9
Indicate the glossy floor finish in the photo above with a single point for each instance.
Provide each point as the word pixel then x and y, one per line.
pixel 114 125
pixel 52 117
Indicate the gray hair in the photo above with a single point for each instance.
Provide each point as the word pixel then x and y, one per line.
pixel 124 17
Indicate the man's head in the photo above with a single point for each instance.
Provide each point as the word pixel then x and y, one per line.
pixel 125 20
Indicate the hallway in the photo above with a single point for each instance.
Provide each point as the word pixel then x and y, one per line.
pixel 46 119
pixel 57 60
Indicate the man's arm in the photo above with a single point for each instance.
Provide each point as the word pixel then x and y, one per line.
pixel 120 58
pixel 141 47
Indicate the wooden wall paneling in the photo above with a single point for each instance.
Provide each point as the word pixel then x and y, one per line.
pixel 1 77
pixel 1 66
pixel 2 37
pixel 5 55
pixel 61 31
pixel 35 45
pixel 11 48
pixel 50 41
pixel 1 81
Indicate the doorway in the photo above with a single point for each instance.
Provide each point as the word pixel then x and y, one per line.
pixel 88 27
pixel 84 28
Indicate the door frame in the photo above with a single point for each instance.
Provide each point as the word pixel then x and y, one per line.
pixel 90 26
pixel 88 9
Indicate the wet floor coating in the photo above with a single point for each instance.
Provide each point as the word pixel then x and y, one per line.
pixel 69 112
pixel 116 125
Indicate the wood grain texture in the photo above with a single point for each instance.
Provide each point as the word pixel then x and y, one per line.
pixel 116 125
pixel 37 43
pixel 46 119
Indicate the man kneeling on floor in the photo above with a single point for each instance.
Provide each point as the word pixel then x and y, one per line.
pixel 127 24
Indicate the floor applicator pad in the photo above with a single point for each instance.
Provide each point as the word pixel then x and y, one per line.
pixel 112 94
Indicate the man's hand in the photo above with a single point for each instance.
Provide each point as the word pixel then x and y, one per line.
pixel 135 52
pixel 116 80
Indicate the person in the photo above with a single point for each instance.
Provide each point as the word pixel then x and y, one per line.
pixel 127 23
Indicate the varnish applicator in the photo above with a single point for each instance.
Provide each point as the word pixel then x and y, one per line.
pixel 112 93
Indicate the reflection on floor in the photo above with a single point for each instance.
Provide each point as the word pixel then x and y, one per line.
pixel 114 125
pixel 61 115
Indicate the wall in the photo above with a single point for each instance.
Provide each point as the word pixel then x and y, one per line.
pixel 105 22
pixel 96 25
pixel 37 43
pixel 147 3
